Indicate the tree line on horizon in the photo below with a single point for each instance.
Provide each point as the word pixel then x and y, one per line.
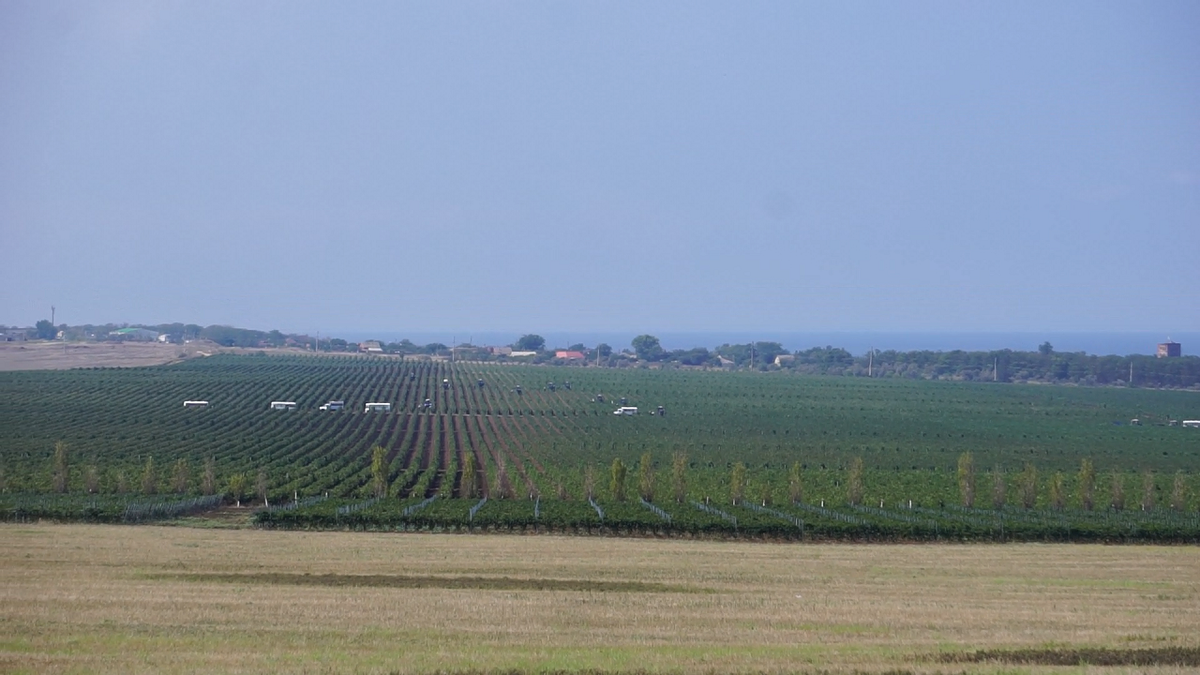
pixel 1046 365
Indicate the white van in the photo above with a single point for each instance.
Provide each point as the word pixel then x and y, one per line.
pixel 333 405
pixel 626 410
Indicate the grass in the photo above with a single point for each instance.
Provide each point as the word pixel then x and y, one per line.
pixel 94 598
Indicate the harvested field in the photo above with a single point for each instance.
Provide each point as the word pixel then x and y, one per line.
pixel 58 356
pixel 93 598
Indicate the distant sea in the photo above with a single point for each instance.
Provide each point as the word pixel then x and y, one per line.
pixel 857 343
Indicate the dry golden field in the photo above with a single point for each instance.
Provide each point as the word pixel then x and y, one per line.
pixel 91 598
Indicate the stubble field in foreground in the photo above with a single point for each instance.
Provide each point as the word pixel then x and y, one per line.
pixel 89 598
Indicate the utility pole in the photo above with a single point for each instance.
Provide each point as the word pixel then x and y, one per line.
pixel 52 316
pixel 871 362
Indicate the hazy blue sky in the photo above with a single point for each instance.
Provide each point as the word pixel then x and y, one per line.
pixel 580 166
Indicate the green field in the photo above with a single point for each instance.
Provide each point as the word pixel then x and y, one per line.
pixel 534 447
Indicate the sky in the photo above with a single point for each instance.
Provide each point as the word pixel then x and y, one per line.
pixel 602 166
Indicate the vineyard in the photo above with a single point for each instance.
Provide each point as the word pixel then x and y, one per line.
pixel 485 446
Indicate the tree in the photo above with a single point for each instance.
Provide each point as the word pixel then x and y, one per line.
pixel 237 487
pixel 646 477
pixel 1058 495
pixel 45 330
pixel 208 483
pixel 764 495
pixel 260 486
pixel 737 483
pixel 149 478
pixel 679 476
pixel 647 347
pixel 530 343
pixel 1028 486
pixel 589 484
pixel 466 486
pixel 61 469
pixel 1179 492
pixel 91 479
pixel 966 479
pixel 1148 490
pixel 180 476
pixel 1087 485
pixel 1046 349
pixel 854 482
pixel 1117 492
pixel 999 488
pixel 378 471
pixel 617 485
pixel 795 484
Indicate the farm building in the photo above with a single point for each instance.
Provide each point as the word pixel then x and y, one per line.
pixel 134 334
pixel 1169 349
pixel 500 351
pixel 13 336
pixel 518 354
pixel 569 355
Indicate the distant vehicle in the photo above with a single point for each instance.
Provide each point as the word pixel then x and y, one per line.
pixel 195 404
pixel 1195 424
pixel 626 410
pixel 283 405
pixel 381 407
pixel 333 405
